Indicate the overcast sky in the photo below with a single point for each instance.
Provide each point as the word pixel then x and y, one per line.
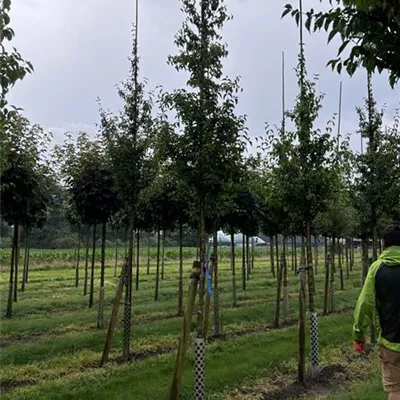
pixel 79 49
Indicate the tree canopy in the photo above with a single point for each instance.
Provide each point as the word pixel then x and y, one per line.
pixel 369 31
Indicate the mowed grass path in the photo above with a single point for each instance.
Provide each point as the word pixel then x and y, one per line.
pixel 51 347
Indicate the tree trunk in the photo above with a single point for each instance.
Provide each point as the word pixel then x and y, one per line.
pixel 86 261
pixel 126 241
pixel 316 254
pixel 332 277
pixel 311 283
pixel 295 254
pixel 200 326
pixel 283 246
pixel 163 254
pixel 277 253
pixel 137 259
pixel 326 287
pixel 285 291
pixel 28 258
pixel 103 253
pixel 364 258
pixel 292 250
pixel 243 261
pixel 17 254
pixel 342 254
pixel 91 291
pixel 271 255
pixel 340 264
pixel 303 248
pixel 248 267
pixel 100 314
pixel 216 310
pixel 148 254
pixel 252 253
pixel 233 267
pixel 302 323
pixel 25 260
pixel 116 253
pixel 374 242
pixel 373 319
pixel 128 292
pixel 347 258
pixel 333 246
pixel 219 249
pixel 158 263
pixel 351 254
pixel 180 282
pixel 278 292
pixel 12 265
pixel 78 257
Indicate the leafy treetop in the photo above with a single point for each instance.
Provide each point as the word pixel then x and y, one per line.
pixel 371 29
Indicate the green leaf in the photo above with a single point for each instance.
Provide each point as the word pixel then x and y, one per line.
pixel 308 23
pixel 343 46
pixel 355 52
pixel 297 17
pixel 287 10
pixel 332 34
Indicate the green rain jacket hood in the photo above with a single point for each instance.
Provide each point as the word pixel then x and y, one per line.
pixel 368 302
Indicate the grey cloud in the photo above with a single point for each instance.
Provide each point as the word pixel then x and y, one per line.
pixel 80 50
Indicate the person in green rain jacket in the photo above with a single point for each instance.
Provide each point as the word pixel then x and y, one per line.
pixel 381 292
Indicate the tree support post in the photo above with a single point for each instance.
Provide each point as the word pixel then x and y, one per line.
pixel 302 322
pixel 199 389
pixel 123 281
pixel 186 323
pixel 314 344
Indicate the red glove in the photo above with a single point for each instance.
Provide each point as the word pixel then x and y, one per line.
pixel 359 346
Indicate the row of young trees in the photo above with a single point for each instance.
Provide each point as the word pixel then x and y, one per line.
pixel 184 162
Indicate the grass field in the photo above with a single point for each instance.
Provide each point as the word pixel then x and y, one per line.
pixel 51 347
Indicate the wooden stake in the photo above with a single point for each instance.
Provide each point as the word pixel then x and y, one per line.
pixel 123 281
pixel 186 323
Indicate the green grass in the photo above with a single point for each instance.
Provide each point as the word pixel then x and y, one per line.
pixel 229 364
pixel 51 347
pixel 365 390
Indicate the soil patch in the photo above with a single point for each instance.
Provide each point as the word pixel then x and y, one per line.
pixel 332 377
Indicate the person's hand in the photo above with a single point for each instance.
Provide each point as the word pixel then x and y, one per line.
pixel 359 346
